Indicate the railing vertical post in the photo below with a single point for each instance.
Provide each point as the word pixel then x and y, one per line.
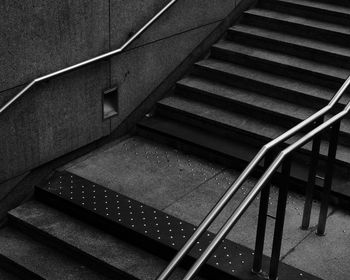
pixel 280 215
pixel 316 145
pixel 332 152
pixel 261 228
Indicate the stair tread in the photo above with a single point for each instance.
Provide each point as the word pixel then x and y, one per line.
pixel 282 58
pixel 269 78
pixel 145 225
pixel 292 39
pixel 90 241
pixel 251 98
pixel 285 17
pixel 41 259
pixel 276 80
pixel 242 151
pixel 230 147
pixel 242 122
pixel 224 117
pixel 319 5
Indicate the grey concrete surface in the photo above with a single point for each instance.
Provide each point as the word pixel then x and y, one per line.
pixel 183 16
pixel 94 242
pixel 187 187
pixel 55 118
pixel 45 36
pixel 194 207
pixel 42 36
pixel 138 72
pixel 151 173
pixel 328 256
pixel 42 260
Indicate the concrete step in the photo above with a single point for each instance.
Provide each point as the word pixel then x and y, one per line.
pixel 237 152
pixel 331 11
pixel 302 26
pixel 31 259
pixel 265 108
pixel 224 71
pixel 267 83
pixel 281 63
pixel 297 45
pixel 96 247
pixel 249 127
pixel 160 231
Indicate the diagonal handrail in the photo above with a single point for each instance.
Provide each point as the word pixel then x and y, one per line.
pixel 89 61
pixel 215 211
pixel 232 220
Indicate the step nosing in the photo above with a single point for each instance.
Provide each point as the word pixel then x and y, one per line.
pixel 325 6
pixel 297 20
pixel 265 104
pixel 262 137
pixel 275 57
pixel 290 39
pixel 261 77
pixel 225 113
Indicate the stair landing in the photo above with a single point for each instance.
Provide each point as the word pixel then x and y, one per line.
pixel 186 187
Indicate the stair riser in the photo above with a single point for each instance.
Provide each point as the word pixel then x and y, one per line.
pixel 263 88
pixel 231 132
pixel 299 176
pixel 191 148
pixel 311 12
pixel 278 68
pixel 224 77
pixel 64 247
pixel 297 50
pixel 139 240
pixel 211 126
pixel 239 107
pixel 297 29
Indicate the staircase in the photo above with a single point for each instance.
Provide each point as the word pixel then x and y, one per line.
pixel 282 62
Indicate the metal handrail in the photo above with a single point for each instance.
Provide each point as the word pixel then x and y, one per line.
pixel 215 211
pixel 90 61
pixel 258 187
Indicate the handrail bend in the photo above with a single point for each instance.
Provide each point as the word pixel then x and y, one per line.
pixel 258 187
pixel 90 61
pixel 243 176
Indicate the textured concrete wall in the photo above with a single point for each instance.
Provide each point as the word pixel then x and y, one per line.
pixel 40 36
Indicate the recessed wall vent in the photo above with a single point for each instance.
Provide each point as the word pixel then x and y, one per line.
pixel 110 102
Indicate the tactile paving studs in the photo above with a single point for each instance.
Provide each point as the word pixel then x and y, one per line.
pixel 156 225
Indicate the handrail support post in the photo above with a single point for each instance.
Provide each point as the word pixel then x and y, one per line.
pixel 280 216
pixel 262 219
pixel 316 145
pixel 331 158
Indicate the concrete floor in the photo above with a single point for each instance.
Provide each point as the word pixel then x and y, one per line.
pixel 187 187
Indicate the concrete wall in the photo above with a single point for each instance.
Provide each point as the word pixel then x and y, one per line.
pixel 40 36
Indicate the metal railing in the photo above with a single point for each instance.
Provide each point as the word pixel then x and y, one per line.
pixel 315 119
pixel 285 158
pixel 90 61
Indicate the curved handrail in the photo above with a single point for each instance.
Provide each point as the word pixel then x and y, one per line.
pixel 232 220
pixel 215 211
pixel 90 61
